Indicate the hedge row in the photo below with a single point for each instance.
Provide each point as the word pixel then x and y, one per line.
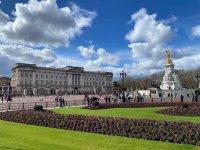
pixel 180 111
pixel 167 131
pixel 137 105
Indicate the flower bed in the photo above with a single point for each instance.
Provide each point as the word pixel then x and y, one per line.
pixel 136 105
pixel 180 111
pixel 168 131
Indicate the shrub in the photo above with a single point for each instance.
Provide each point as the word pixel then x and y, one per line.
pixel 185 105
pixel 96 103
pixel 181 111
pixel 38 107
pixel 137 105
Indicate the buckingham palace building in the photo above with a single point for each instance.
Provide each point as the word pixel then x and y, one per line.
pixel 30 79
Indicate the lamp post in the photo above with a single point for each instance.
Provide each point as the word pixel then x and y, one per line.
pixel 122 76
pixel 197 92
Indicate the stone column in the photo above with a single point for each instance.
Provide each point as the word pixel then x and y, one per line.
pixel 25 91
pixel 57 90
pixel 34 91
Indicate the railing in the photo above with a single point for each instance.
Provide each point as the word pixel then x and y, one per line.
pixel 52 104
pixel 46 105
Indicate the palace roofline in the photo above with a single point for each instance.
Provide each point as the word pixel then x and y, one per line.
pixel 64 69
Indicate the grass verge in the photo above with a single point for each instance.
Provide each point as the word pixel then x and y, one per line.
pixel 148 113
pixel 14 136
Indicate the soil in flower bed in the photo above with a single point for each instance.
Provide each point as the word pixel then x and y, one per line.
pixel 137 105
pixel 168 131
pixel 181 111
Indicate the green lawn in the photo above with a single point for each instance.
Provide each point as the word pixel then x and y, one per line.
pixel 15 136
pixel 127 112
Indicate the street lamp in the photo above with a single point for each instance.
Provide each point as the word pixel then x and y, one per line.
pixel 122 76
pixel 197 92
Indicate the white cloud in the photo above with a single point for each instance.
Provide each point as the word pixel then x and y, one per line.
pixel 101 56
pixel 11 54
pixel 19 53
pixel 173 18
pixel 148 41
pixel 43 23
pixel 3 17
pixel 106 58
pixel 196 31
pixel 148 29
pixel 87 52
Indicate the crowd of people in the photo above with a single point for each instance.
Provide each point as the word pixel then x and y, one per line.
pixel 6 98
pixel 61 101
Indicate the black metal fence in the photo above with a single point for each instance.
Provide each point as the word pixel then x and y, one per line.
pixel 30 105
pixel 52 104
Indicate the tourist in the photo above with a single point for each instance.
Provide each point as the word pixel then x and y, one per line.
pixel 196 98
pixel 115 100
pixel 192 98
pixel 88 100
pixel 106 99
pixel 182 97
pixel 150 95
pixel 168 94
pixel 2 99
pixel 160 95
pixel 109 99
pixel 60 100
pixel 63 102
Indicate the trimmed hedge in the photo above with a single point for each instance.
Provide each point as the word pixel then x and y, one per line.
pixel 166 131
pixel 38 107
pixel 181 111
pixel 137 105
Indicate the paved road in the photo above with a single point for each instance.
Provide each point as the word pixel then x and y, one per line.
pixel 73 100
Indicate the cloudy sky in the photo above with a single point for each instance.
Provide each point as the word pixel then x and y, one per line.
pixel 104 35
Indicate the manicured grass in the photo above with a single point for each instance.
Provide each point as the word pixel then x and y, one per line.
pixel 26 137
pixel 127 113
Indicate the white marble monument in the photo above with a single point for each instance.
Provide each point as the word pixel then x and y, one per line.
pixel 170 79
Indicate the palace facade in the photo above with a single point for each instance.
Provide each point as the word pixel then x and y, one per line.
pixel 30 79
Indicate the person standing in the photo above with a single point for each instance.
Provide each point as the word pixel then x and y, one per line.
pixel 2 99
pixel 193 98
pixel 63 102
pixel 60 100
pixel 182 97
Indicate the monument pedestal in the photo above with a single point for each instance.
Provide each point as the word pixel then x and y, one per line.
pixel 170 79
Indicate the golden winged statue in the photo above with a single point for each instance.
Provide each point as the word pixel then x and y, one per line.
pixel 168 54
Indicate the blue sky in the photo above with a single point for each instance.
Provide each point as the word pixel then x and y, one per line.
pixel 104 35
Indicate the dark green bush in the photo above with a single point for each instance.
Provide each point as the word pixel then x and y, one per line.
pixel 185 105
pixel 38 107
pixel 96 103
